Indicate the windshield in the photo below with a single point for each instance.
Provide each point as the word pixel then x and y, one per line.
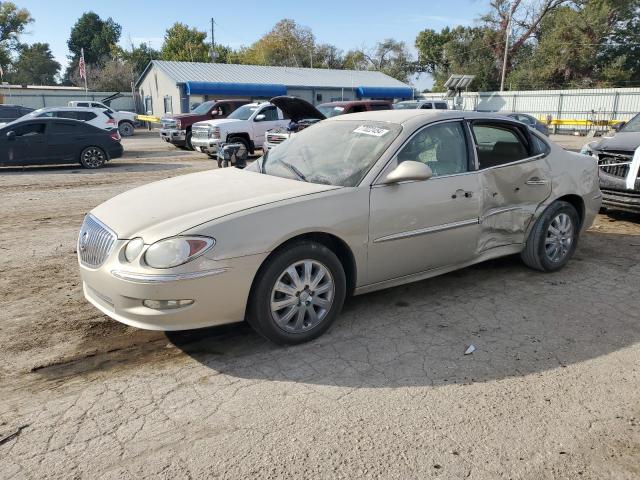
pixel 354 147
pixel 330 111
pixel 203 108
pixel 632 125
pixel 244 112
pixel 405 105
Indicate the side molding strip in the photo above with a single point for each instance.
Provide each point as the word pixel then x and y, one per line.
pixel 427 230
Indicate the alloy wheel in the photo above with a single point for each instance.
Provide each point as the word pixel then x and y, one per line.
pixel 559 237
pixel 93 157
pixel 302 296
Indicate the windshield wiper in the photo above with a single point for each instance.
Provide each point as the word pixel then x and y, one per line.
pixel 297 172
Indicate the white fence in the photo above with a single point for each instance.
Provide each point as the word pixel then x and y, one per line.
pixel 34 97
pixel 579 104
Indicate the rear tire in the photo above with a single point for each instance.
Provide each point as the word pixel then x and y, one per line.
pixel 553 238
pixel 93 157
pixel 297 294
pixel 126 129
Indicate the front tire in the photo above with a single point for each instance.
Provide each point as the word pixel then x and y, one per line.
pixel 298 294
pixel 93 157
pixel 126 129
pixel 553 239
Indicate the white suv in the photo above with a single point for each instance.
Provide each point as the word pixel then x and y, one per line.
pixel 246 126
pixel 93 116
pixel 126 120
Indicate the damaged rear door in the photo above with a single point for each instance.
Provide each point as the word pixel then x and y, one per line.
pixel 514 179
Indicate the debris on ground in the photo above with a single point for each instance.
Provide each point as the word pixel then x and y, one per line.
pixel 470 349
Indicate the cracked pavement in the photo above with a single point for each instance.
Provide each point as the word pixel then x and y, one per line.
pixel 550 392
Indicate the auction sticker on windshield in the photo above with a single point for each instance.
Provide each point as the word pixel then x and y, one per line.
pixel 369 130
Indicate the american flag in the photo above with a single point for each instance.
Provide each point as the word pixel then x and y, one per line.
pixel 81 65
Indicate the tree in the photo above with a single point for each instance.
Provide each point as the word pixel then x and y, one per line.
pixel 13 21
pixel 184 44
pixel 286 44
pixel 96 36
pixel 137 58
pixel 35 66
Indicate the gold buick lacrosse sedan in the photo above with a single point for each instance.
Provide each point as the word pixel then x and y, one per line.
pixel 350 205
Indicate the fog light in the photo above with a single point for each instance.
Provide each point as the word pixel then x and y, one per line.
pixel 166 304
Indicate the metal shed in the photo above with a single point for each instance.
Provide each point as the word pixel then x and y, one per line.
pixel 177 86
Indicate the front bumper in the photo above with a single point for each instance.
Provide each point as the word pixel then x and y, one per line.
pixel 219 289
pixel 206 145
pixel 615 194
pixel 173 135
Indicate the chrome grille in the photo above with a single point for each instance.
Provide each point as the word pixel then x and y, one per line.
pixel 276 138
pixel 95 242
pixel 168 123
pixel 615 164
pixel 200 132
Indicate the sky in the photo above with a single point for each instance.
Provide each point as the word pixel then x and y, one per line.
pixel 347 23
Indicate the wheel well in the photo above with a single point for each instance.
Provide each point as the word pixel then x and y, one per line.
pixel 578 204
pixel 125 121
pixel 333 243
pixel 244 136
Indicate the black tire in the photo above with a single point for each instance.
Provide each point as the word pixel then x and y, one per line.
pixel 187 141
pixel 259 311
pixel 535 254
pixel 243 154
pixel 126 128
pixel 93 157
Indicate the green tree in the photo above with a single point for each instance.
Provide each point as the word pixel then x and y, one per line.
pixel 13 21
pixel 185 44
pixel 137 58
pixel 286 44
pixel 35 66
pixel 96 36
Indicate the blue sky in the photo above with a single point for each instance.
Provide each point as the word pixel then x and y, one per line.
pixel 346 24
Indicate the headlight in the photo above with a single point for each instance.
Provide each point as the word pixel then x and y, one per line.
pixel 585 150
pixel 172 252
pixel 178 124
pixel 133 249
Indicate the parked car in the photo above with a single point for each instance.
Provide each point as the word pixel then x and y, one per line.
pixel 531 121
pixel 9 113
pixel 619 161
pixel 421 104
pixel 176 129
pixel 93 116
pixel 303 114
pixel 57 141
pixel 126 121
pixel 354 204
pixel 246 126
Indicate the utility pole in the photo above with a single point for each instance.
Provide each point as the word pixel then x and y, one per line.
pixel 506 50
pixel 213 41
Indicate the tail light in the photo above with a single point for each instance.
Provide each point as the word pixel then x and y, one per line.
pixel 115 135
pixel 111 121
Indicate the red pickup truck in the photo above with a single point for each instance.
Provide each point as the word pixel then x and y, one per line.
pixel 176 129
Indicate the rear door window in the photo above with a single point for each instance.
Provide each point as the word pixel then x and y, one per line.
pixel 66 128
pixel 427 106
pixel 499 144
pixel 86 116
pixel 441 106
pixel 68 114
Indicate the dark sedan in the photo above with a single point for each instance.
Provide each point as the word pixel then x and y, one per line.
pixel 40 141
pixel 531 121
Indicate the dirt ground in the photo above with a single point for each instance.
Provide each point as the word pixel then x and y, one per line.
pixel 552 390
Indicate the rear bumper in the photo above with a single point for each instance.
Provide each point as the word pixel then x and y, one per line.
pixel 116 151
pixel 173 135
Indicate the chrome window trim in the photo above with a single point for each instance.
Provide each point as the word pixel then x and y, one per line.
pixel 424 231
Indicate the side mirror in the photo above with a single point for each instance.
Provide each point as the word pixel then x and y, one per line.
pixel 260 117
pixel 215 112
pixel 618 126
pixel 407 171
pixel 11 135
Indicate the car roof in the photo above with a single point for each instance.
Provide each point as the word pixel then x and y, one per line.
pixel 70 109
pixel 344 103
pixel 416 116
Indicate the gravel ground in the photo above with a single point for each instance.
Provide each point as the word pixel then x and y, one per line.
pixel 550 392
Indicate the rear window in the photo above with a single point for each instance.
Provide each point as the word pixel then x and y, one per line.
pixel 86 116
pixel 441 106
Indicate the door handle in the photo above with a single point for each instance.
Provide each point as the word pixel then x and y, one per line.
pixel 462 193
pixel 536 181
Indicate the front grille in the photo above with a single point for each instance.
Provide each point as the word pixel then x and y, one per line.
pixel 615 164
pixel 200 132
pixel 276 138
pixel 168 123
pixel 95 242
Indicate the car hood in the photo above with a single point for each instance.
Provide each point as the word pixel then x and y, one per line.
pixel 222 121
pixel 168 207
pixel 296 108
pixel 622 141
